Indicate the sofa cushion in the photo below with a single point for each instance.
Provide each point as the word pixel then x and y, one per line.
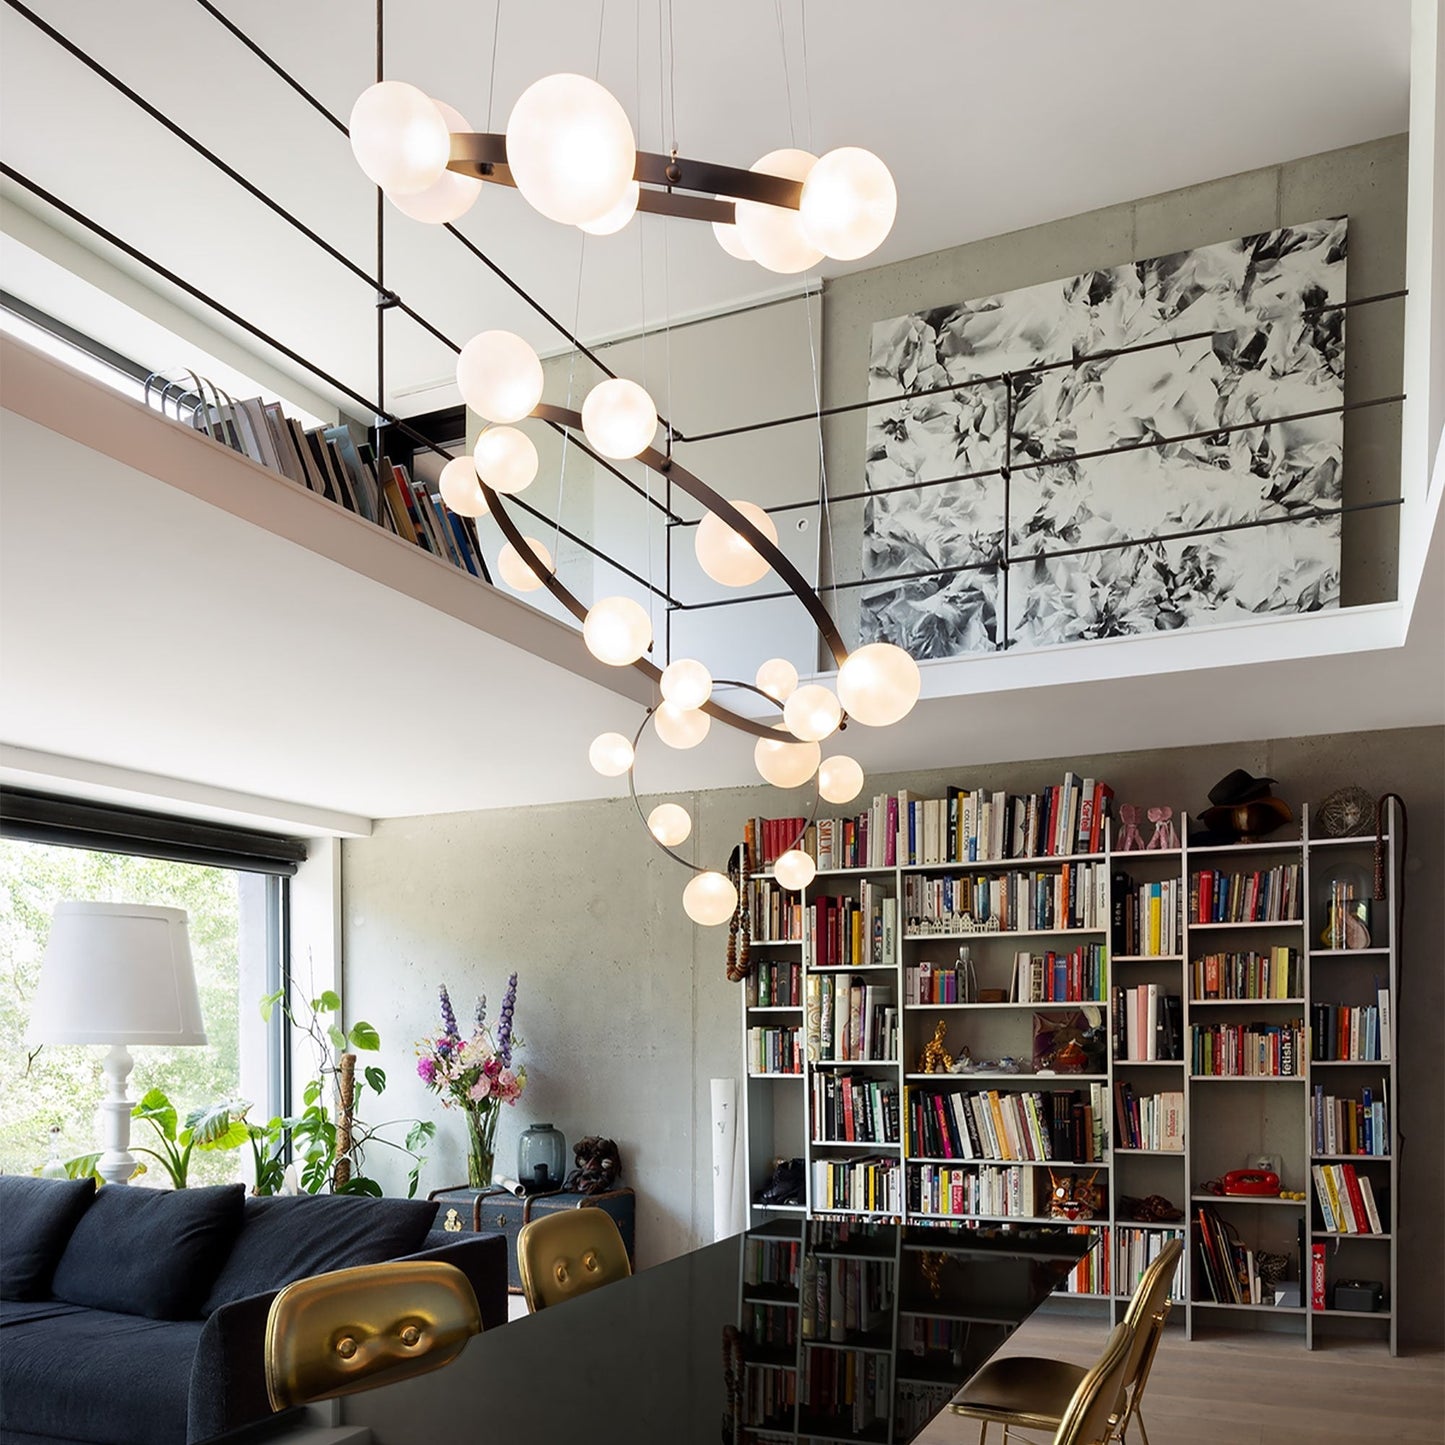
pixel 152 1252
pixel 39 1216
pixel 287 1238
pixel 97 1376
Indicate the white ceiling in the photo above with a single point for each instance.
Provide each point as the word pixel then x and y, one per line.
pixel 993 115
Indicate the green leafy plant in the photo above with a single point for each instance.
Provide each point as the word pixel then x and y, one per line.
pixel 211 1127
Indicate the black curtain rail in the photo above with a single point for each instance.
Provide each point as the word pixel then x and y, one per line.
pixel 1002 564
pixel 999 378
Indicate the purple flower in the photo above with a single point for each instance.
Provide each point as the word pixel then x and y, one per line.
pixel 449 1019
pixel 504 1027
pixel 426 1070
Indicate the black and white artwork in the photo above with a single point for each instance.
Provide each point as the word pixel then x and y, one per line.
pixel 1091 539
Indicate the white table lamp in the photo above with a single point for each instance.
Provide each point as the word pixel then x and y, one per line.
pixel 117 974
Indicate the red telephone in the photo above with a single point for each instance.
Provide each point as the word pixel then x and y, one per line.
pixel 1251 1181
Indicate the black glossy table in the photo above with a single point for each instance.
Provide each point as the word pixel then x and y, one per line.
pixel 817 1331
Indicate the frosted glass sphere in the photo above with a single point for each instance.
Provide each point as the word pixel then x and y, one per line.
pixel 680 727
pixel 777 677
pixel 505 459
pixel 610 754
pixel 518 574
pixel 849 202
pixel 619 418
pixel 709 899
pixel 399 137
pixel 617 631
pixel 794 869
pixel 731 240
pixel 812 712
pixel 460 489
pixel 452 194
pixel 686 683
pixel 773 235
pixel 786 764
pixel 669 824
pixel 570 148
pixel 499 376
pixel 614 220
pixel 728 557
pixel 840 779
pixel 879 684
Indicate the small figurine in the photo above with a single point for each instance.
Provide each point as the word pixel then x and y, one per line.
pixel 963 1064
pixel 1131 840
pixel 1165 835
pixel 936 1059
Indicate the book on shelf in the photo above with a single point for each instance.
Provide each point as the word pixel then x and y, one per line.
pixel 1147 918
pixel 1267 895
pixel 1229 1270
pixel 1148 1121
pixel 775 913
pixel 867 1184
pixel 854 1020
pixel 1351 1032
pixel 1011 1190
pixel 852 1108
pixel 1076 976
pixel 1038 1126
pixel 1137 1249
pixel 1148 1023
pixel 1092 1274
pixel 773 1050
pixel 774 984
pixel 847 931
pixel 1317 1276
pixel 1350 1126
pixel 1253 975
pixel 1069 896
pixel 1253 1050
pixel 1346 1199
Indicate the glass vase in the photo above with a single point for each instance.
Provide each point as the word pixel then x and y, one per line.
pixel 481 1146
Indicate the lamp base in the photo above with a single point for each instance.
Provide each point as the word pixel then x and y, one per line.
pixel 117 1164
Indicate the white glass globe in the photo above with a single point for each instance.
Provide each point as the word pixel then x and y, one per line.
pixel 610 754
pixel 570 148
pixel 517 573
pixel 731 240
pixel 878 684
pixel 849 202
pixel 727 556
pixel 680 727
pixel 709 899
pixel 786 764
pixel 777 677
pixel 840 779
pixel 499 376
pixel 812 712
pixel 794 869
pixel 505 458
pixel 614 220
pixel 617 631
pixel 399 137
pixel 619 418
pixel 452 194
pixel 774 235
pixel 669 824
pixel 686 683
pixel 460 489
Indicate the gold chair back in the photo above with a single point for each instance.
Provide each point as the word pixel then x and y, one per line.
pixel 354 1329
pixel 1089 1417
pixel 569 1253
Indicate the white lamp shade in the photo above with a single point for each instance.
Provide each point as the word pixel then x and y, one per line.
pixel 461 490
pixel 610 222
pixel 777 677
pixel 399 137
pixel 451 195
pixel 619 418
pixel 812 712
pixel 727 556
pixel 840 778
pixel 878 684
pixel 505 459
pixel 795 869
pixel 848 204
pixel 709 899
pixel 117 973
pixel 773 235
pixel 500 376
pixel 686 683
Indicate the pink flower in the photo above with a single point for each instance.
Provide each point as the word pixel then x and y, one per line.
pixel 426 1070
pixel 482 1089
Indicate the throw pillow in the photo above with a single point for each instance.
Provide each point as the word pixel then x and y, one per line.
pixel 39 1216
pixel 287 1238
pixel 152 1252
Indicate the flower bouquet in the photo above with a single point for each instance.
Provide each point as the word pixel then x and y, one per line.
pixel 475 1075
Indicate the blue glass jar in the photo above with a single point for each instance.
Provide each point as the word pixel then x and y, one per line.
pixel 542 1157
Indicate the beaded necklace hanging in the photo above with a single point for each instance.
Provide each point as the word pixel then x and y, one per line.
pixel 740 926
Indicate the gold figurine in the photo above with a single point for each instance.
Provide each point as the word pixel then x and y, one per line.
pixel 936 1059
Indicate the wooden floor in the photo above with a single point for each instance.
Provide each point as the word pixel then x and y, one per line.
pixel 1252 1390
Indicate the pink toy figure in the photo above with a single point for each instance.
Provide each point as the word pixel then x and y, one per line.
pixel 1164 834
pixel 1131 840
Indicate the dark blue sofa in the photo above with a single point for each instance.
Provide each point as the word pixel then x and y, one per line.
pixel 138 1316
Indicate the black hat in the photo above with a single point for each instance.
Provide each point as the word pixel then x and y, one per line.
pixel 1239 787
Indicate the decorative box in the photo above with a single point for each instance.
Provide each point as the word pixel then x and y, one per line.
pixel 499 1211
pixel 1358 1294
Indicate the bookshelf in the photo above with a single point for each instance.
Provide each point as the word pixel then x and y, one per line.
pixel 1242 945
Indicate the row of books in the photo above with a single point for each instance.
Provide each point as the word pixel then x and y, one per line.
pixel 775 1051
pixel 849 1020
pixel 1078 976
pixel 926 982
pixel 871 1184
pixel 1346 1199
pixel 846 842
pixel 1148 1023
pixel 1252 975
pixel 843 932
pixel 1092 1273
pixel 771 1263
pixel 978 1191
pixel 774 984
pixel 848 1108
pixel 1255 1050
pixel 845 1298
pixel 775 915
pixel 769 1399
pixel 844 1391
pixel 768 839
pixel 1137 1249
pixel 772 1327
pixel 1148 918
pixel 1228 1272
pixel 1268 895
pixel 1071 896
pixel 1362 1032
pixel 1148 1121
pixel 1037 1125
pixel 1350 1126
pixel 916 1403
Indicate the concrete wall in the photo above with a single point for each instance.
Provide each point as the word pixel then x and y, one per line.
pixel 626 1012
pixel 1365 182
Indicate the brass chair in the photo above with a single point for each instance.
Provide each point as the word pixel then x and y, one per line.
pixel 1026 1392
pixel 1092 1410
pixel 569 1253
pixel 355 1329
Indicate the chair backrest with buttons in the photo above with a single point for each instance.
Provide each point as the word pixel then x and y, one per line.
pixel 569 1253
